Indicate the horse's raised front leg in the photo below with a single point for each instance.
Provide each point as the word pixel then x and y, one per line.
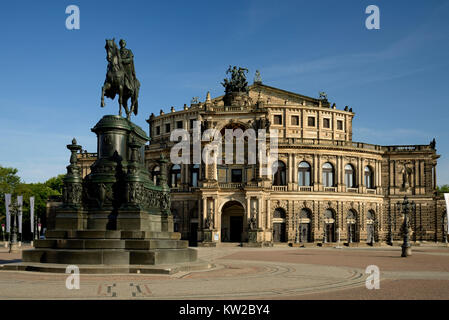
pixel 103 89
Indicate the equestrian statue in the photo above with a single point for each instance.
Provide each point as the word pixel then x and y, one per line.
pixel 121 78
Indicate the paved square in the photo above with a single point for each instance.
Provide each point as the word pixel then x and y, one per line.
pixel 255 273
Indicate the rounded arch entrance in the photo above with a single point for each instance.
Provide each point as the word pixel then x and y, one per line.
pixel 232 221
pixel 329 225
pixel 279 225
pixel 305 218
pixel 352 226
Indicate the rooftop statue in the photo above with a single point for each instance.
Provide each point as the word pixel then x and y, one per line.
pixel 238 82
pixel 121 77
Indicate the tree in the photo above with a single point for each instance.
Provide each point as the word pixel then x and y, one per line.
pixel 9 180
pixel 443 189
pixel 11 183
pixel 56 183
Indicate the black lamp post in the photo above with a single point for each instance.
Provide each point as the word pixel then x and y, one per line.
pixel 390 227
pixel 407 207
pixel 444 224
pixel 14 211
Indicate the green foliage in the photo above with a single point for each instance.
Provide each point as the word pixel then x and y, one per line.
pixel 10 182
pixel 56 183
pixel 443 189
pixel 9 179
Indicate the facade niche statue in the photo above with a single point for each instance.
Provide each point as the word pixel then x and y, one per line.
pixel 406 176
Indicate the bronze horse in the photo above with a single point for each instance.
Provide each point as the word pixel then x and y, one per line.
pixel 115 82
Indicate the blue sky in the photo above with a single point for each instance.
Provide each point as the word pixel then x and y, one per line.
pixel 395 79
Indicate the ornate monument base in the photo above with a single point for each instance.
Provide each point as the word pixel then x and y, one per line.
pixel 256 239
pixel 115 219
pixel 208 236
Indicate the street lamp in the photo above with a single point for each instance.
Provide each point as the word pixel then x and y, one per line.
pixel 444 224
pixel 390 227
pixel 407 207
pixel 14 211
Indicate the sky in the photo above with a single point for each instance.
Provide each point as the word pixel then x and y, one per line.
pixel 395 78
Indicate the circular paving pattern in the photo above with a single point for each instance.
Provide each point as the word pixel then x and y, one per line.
pixel 242 273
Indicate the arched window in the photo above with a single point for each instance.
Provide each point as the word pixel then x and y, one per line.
pixel 279 172
pixel 351 215
pixel 304 174
pixel 194 175
pixel 351 218
pixel 279 213
pixel 349 176
pixel 305 234
pixel 175 176
pixel 369 174
pixel 155 174
pixel 329 226
pixel 328 175
pixel 371 215
pixel 304 214
pixel 328 214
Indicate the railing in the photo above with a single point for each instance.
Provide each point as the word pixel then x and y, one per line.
pixel 305 189
pixel 227 108
pixel 230 185
pixel 371 191
pixel 308 141
pixel 352 190
pixel 279 188
pixel 330 189
pixel 409 148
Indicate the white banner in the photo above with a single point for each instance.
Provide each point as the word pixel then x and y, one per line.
pixel 446 197
pixel 20 204
pixel 8 216
pixel 32 214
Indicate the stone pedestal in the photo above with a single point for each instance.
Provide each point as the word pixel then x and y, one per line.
pixel 406 251
pixel 115 217
pixel 208 238
pixel 256 239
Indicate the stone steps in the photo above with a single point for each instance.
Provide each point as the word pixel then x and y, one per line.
pixel 110 269
pixel 131 244
pixel 109 256
pixel 111 234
